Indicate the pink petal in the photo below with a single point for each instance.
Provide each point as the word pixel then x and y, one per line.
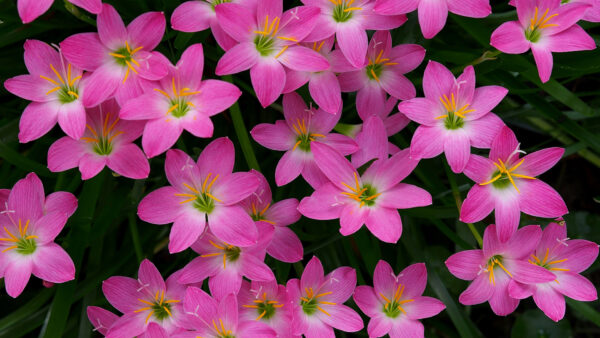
pixel 421 110
pixel 146 30
pixel 404 196
pixel 217 158
pixel 432 17
pixel 29 10
pixel 190 66
pixel 160 206
pixel 149 274
pixel 285 246
pixel 507 214
pixel 101 84
pixel 392 7
pixel 323 204
pixel 408 57
pixel 333 165
pixel 407 328
pixel 37 120
pixel 295 80
pixel 575 286
pixel 27 198
pixel 379 325
pixel 256 329
pixel 352 40
pixel 479 291
pixel 237 20
pixel 185 231
pixel 283 213
pixel 510 38
pixel 470 8
pixel 16 276
pixel 71 119
pixel 129 325
pixel 31 88
pixel 301 58
pixel 437 81
pixel 527 273
pixel 370 99
pixel 353 217
pixel 367 301
pixel 324 88
pixel 423 307
pixel 567 17
pixel 192 16
pixel 159 136
pixel 255 269
pixel 268 79
pixel 372 141
pixel 129 161
pixel 313 274
pixel 342 318
pixel 397 85
pixel 342 143
pixel 241 57
pixel 90 165
pixel 198 270
pixel 387 174
pixel 198 125
pixel 465 264
pixel 485 99
pixel 352 80
pixel 520 291
pixel 289 167
pixel 313 175
pixel 540 161
pixel 479 169
pixel 155 331
pixel 100 318
pixel 385 224
pixel 478 204
pixel 49 226
pixel 550 301
pixel 374 21
pixel 484 130
pixel 552 233
pixel 216 96
pixel 384 278
pixel 64 154
pixel 53 264
pixel 233 225
pixel 276 136
pixel 111 28
pixel 541 200
pixel 503 145
pixel 457 147
pixel 155 106
pixel 570 40
pixel 524 242
pixel 580 254
pixel 84 50
pixel 233 188
pixel 92 6
pixel 543 61
pixel 39 56
pixel 500 302
pixel 198 301
pixel 426 143
pixel 300 22
pixel 225 282
pixel 60 201
pixel 121 293
pixel 414 275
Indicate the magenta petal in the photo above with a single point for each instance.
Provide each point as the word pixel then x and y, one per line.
pixel 372 141
pixel 393 7
pixel 276 136
pixel 53 264
pixel 485 99
pixel 510 38
pixel 550 301
pixel 30 88
pixel 527 273
pixel 64 154
pixel 129 161
pixel 121 293
pixel 217 158
pixel 500 302
pixel 543 61
pixel 146 30
pixel 60 201
pixel 465 264
pixel 520 291
pixel 160 206
pixel 255 269
pixel 423 307
pixel 16 276
pixel 198 270
pixel 479 169
pixel 479 291
pixel 384 278
pixel 192 16
pixel 101 84
pixel 237 20
pixel 92 6
pixel 295 79
pixel 353 217
pixel 149 274
pixel 84 50
pixel 216 96
pixel 313 274
pixel 29 10
pixel 159 136
pixel 507 214
pixel 379 325
pixel 367 301
pixel 580 254
pixel 71 119
pixel 26 198
pixel 352 40
pixel 301 58
pixel 524 243
pixel 129 325
pixel 49 226
pixel 575 286
pixel 100 318
pixel 404 196
pixel 370 99
pixel 313 175
pixel 323 204
pixel 342 318
pixel 437 81
pixel 457 147
pixel 37 120
pixel 540 161
pixel 285 246
pixel 225 282
pixel 185 231
pixel 432 17
pixel 334 165
pixel 426 143
pixel 385 224
pixel 397 85
pixel 387 174
pixel 541 200
pixel 572 39
pixel 289 167
pixel 268 79
pixel 283 213
pixel 484 130
pixel 232 224
pixel 422 110
pixel 504 144
pixel 90 165
pixel 470 8
pixel 407 328
pixel 324 88
pixel 233 188
pixel 199 302
pixel 111 28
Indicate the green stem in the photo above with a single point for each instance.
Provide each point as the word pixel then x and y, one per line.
pixel 458 201
pixel 486 56
pixel 242 133
pixel 78 13
pixel 135 236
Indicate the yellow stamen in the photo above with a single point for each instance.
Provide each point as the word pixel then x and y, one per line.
pixel 281 51
pixel 49 79
pixel 57 74
pixel 9 248
pixel 53 90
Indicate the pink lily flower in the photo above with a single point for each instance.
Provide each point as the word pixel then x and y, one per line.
pixel 181 100
pixel 30 223
pixel 433 14
pixel 566 259
pixel 372 199
pixel 382 73
pixel 268 41
pixel 266 302
pixel 200 194
pixel 318 301
pixel 224 264
pixel 508 185
pixel 285 244
pixel 101 319
pixel 302 126
pixel 108 141
pixel 349 20
pixel 30 10
pixel 219 318
pixel 323 86
pixel 395 302
pixel 492 268
pixel 453 115
pixel 120 57
pixel 591 15
pixel 147 303
pixel 198 15
pixel 544 26
pixel 54 87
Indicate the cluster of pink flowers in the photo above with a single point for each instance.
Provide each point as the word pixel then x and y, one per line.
pixel 108 88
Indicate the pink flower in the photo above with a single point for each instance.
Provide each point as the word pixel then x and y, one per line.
pixel 198 15
pixel 30 10
pixel 30 223
pixel 225 264
pixel 433 14
pixel 508 184
pixel 268 41
pixel 382 73
pixel 323 86
pixel 285 244
pixel 492 268
pixel 54 87
pixel 266 302
pixel 120 57
pixel 108 141
pixel 349 20
pixel 454 115
pixel 147 303
pixel 217 319
pixel 592 14
pixel 318 301
pixel 295 135
pixel 372 142
pixel 395 302
pixel 372 199
pixel 200 194
pixel 181 100
pixel 545 27
pixel 101 319
pixel 566 259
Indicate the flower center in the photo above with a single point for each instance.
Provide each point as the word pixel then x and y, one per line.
pixel 257 215
pixel 230 253
pixel 546 263
pixel 393 307
pixel 375 67
pixel 311 303
pixel 533 32
pixel 159 307
pixel 503 176
pixel 178 103
pixel 343 9
pixel 491 264
pixel 265 39
pixel 67 91
pixel 454 116
pixel 203 199
pixel 124 57
pixel 24 244
pixel 304 138
pixel 221 331
pixel 103 141
pixel 264 307
pixel 365 194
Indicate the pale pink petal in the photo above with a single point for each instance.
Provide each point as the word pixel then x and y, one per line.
pixel 540 161
pixel 233 188
pixel 342 318
pixel 580 254
pixel 432 17
pixel 543 61
pixel 465 264
pixel 301 58
pixel 217 158
pixel 313 274
pixel 457 147
pixel 550 301
pixel 192 16
pixel 423 307
pixel 334 165
pixel 48 226
pixel 404 196
pixel 285 246
pixel 575 286
pixel 323 204
pixel 185 231
pixel 407 328
pixel 160 206
pixel 16 276
pixel 26 198
pixel 37 120
pixel 437 81
pixel 159 136
pixel 64 154
pixel 216 96
pixel 503 145
pixel 237 20
pixel 353 217
pixel 367 301
pixel 129 161
pixel 233 225
pixel 29 10
pixel 479 291
pixel 53 264
pixel 470 8
pixel 241 57
pixel 384 223
pixel 426 143
pixel 393 7
pixel 268 79
pixel 111 28
pixel 541 200
pixel 484 100
pixel 60 201
pixel 483 130
pixel 479 169
pixel 225 282
pixel 71 119
pixel 84 50
pixel 570 40
pixel 324 88
pixel 121 293
pixel 289 167
pixel 30 87
pixel 352 40
pixel 510 38
pixel 101 84
pixel 370 99
pixel 276 136
pixel 146 30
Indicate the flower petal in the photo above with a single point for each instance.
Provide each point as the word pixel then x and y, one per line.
pixel 268 79
pixel 53 264
pixel 147 30
pixel 233 225
pixel 509 38
pixel 432 17
pixel 465 264
pixel 111 28
pixel 160 206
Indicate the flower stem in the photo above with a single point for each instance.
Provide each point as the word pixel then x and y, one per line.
pixel 458 201
pixel 78 13
pixel 135 236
